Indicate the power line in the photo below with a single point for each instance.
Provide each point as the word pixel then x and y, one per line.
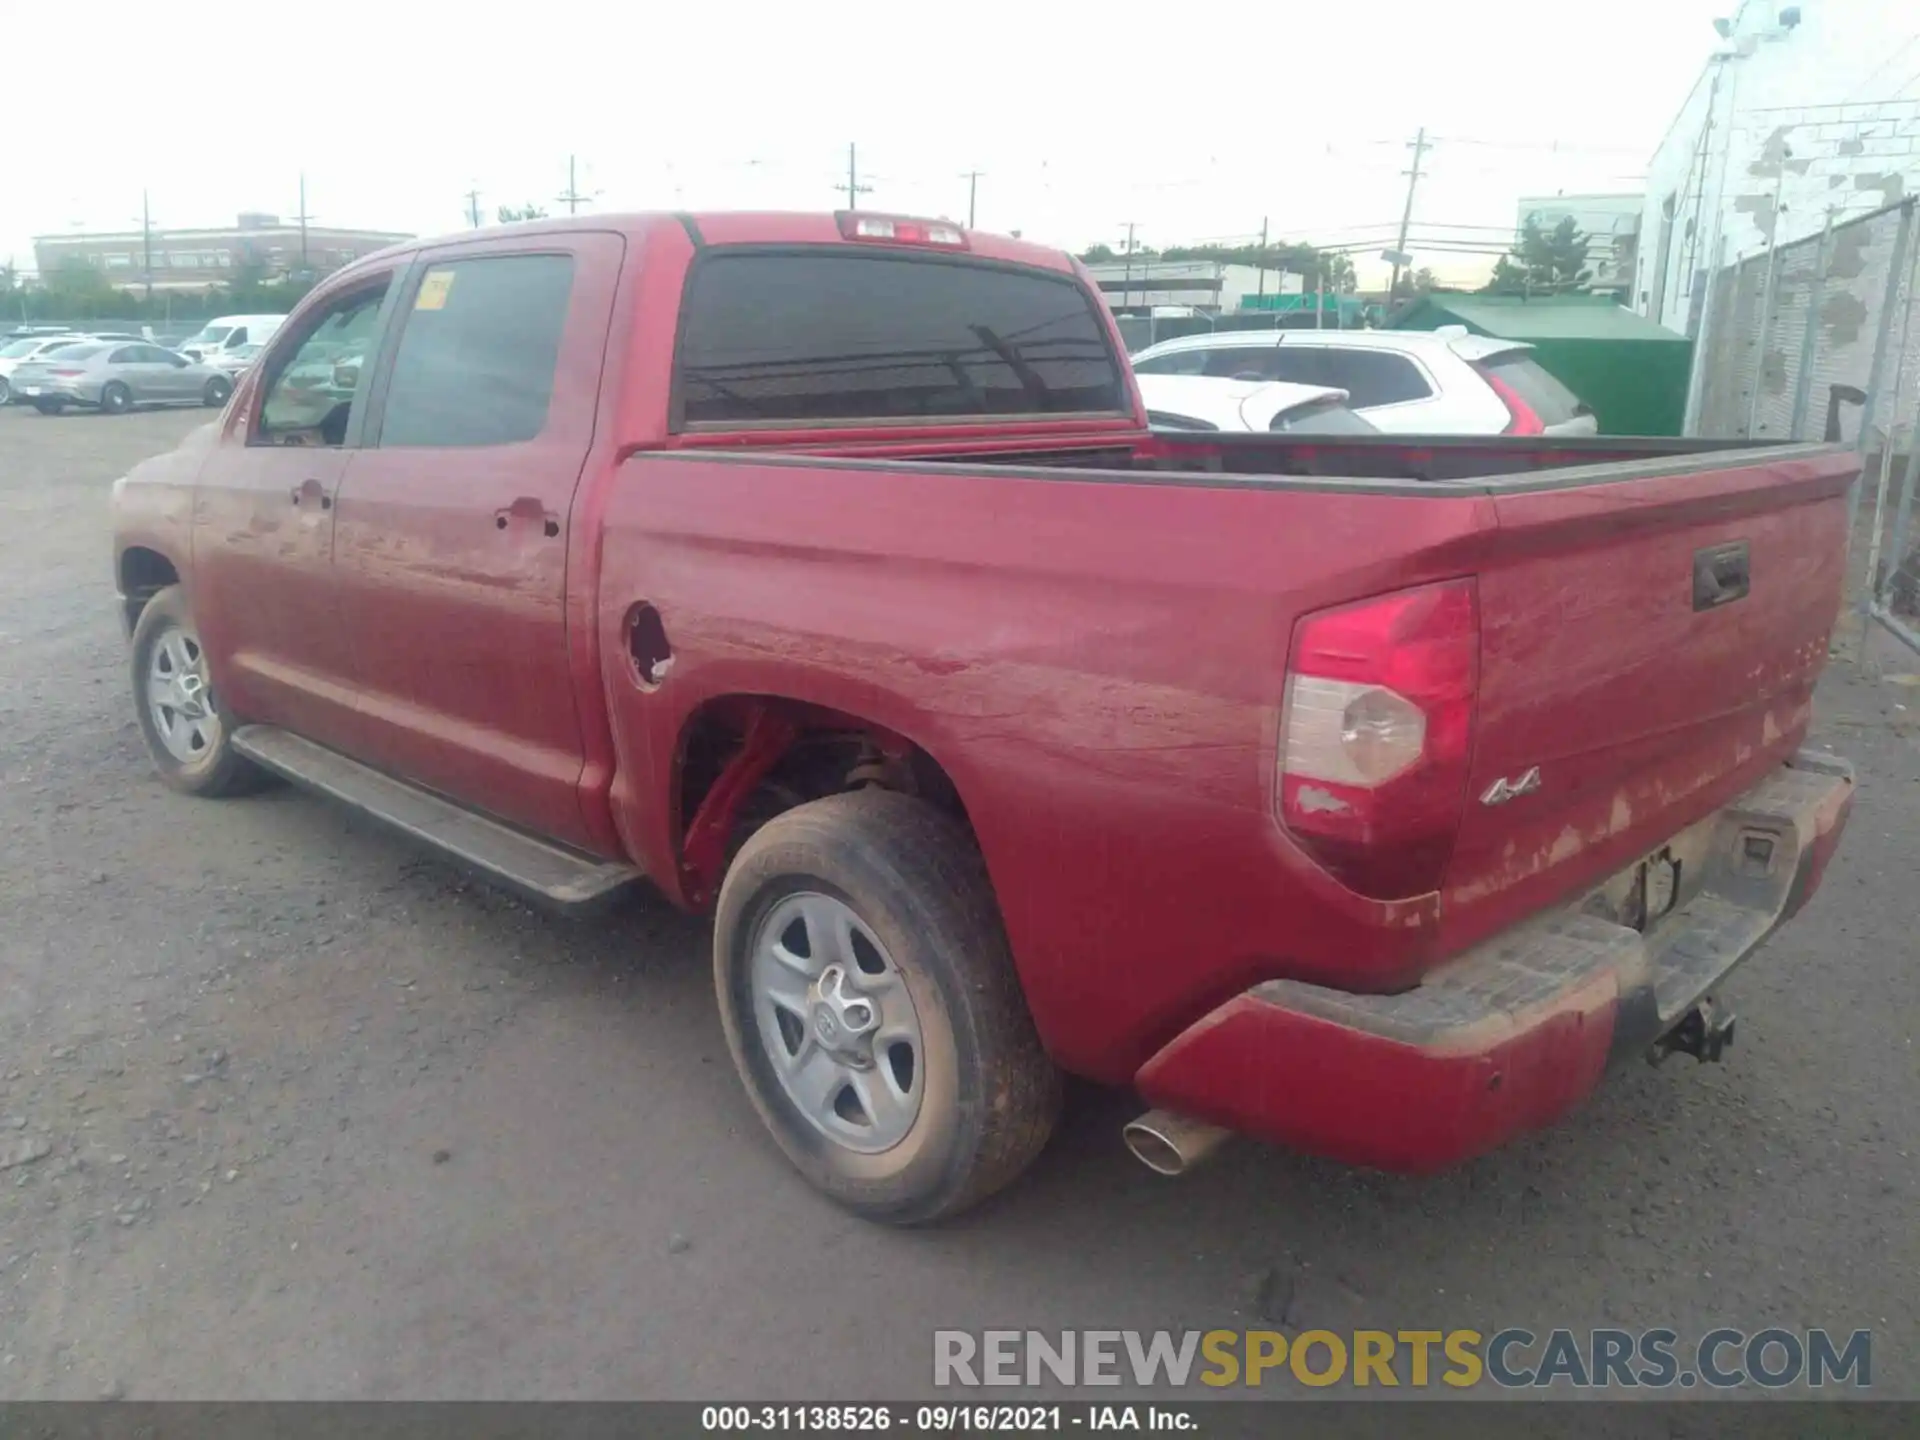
pixel 1884 66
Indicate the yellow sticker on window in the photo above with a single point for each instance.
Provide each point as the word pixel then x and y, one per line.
pixel 433 290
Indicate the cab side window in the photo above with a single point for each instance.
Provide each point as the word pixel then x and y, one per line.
pixel 314 380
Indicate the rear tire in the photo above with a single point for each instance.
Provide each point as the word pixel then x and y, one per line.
pixel 217 391
pixel 6 391
pixel 188 738
pixel 918 924
pixel 115 398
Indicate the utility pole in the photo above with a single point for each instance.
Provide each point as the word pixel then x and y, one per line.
pixel 1126 293
pixel 1406 215
pixel 854 188
pixel 973 182
pixel 573 198
pixel 1263 257
pixel 146 243
pixel 473 207
pixel 305 269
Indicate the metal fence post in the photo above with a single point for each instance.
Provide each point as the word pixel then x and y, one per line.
pixel 1874 375
pixel 1697 377
pixel 1816 293
pixel 1902 517
pixel 1887 449
pixel 1895 268
pixel 1765 333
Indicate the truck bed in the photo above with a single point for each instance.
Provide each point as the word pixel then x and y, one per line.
pixel 1097 657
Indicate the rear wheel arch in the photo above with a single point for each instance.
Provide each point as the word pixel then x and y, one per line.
pixel 873 751
pixel 822 751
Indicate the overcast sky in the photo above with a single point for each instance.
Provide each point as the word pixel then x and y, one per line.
pixel 1216 115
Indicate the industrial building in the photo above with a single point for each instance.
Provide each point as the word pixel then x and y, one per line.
pixel 1146 283
pixel 1802 112
pixel 191 260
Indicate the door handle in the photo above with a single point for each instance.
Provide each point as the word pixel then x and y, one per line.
pixel 529 509
pixel 312 490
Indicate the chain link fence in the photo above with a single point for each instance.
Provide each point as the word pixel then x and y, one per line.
pixel 1818 339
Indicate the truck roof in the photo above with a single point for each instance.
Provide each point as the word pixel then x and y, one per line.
pixel 737 227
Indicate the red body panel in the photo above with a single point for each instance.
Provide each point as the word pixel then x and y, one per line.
pixel 1096 658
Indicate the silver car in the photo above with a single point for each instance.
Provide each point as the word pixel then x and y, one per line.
pixel 114 377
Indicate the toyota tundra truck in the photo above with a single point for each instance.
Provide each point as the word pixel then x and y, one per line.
pixel 1362 794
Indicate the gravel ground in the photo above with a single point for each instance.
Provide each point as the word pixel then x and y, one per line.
pixel 289 1110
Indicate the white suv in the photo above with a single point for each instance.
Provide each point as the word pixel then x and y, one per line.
pixel 1406 382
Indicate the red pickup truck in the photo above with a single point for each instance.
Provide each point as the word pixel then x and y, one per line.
pixel 1366 795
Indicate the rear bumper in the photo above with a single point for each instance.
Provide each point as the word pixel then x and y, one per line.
pixel 1514 1033
pixel 67 392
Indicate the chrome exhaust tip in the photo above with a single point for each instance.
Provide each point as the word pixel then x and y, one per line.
pixel 1170 1144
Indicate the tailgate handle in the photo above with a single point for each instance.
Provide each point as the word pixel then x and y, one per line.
pixel 1720 575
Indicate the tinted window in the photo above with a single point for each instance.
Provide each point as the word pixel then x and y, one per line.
pixel 1176 362
pixel 1166 420
pixel 126 355
pixel 153 355
pixel 1553 402
pixel 1320 417
pixel 478 352
pixel 1370 377
pixel 832 336
pixel 1248 362
pixel 309 399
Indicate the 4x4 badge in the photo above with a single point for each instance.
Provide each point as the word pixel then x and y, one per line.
pixel 1503 789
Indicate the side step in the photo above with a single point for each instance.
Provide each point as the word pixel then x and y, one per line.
pixel 545 873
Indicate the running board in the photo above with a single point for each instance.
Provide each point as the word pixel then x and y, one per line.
pixel 545 873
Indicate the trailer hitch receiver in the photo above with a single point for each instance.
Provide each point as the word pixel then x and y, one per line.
pixel 1704 1032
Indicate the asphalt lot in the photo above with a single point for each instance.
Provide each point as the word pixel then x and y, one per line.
pixel 323 1119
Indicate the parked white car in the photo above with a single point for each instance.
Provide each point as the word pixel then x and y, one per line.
pixel 16 353
pixel 1405 382
pixel 1204 402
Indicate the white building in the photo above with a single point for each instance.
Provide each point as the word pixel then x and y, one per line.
pixel 1800 110
pixel 1611 223
pixel 1147 282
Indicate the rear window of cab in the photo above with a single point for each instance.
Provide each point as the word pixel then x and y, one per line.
pixel 813 336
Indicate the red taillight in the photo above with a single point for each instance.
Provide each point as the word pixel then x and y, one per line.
pixel 1377 735
pixel 66 374
pixel 898 230
pixel 1522 419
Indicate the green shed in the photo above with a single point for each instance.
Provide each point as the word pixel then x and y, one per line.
pixel 1632 371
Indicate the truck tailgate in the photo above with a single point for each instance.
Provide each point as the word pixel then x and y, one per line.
pixel 1649 648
